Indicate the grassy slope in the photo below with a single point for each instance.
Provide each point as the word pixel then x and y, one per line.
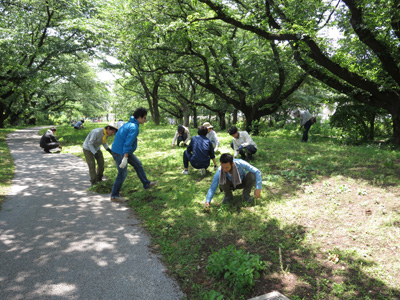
pixel 327 223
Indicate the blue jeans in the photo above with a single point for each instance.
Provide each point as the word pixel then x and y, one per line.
pixel 122 173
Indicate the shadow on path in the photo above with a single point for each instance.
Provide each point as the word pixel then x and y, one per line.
pixel 59 241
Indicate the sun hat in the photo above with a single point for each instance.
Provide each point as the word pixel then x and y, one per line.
pixel 208 125
pixel 112 125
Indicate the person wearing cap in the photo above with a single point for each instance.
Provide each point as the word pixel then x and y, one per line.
pixel 212 135
pixel 232 175
pixel 125 143
pixel 48 141
pixel 183 136
pixel 92 152
pixel 242 143
pixel 306 120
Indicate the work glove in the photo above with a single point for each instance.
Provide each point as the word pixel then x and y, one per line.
pixel 240 148
pixel 123 163
pixel 109 150
pixel 96 155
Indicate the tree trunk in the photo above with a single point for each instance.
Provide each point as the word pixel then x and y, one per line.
pixel 396 128
pixel 235 116
pixel 221 117
pixel 195 117
pixel 186 117
pixel 372 128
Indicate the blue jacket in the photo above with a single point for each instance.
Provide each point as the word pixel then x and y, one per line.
pixel 125 140
pixel 202 150
pixel 242 167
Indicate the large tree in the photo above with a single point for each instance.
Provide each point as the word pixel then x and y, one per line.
pixel 364 64
pixel 35 35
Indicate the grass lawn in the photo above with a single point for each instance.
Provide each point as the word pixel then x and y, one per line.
pixel 327 225
pixel 6 165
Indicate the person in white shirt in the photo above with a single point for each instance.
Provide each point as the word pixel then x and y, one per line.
pixel 212 135
pixel 242 143
pixel 306 120
pixel 183 136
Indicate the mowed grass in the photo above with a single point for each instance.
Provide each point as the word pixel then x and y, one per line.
pixel 327 222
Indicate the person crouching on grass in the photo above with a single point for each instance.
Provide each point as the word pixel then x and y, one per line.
pixel 235 174
pixel 92 152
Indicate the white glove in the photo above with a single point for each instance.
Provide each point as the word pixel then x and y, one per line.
pixel 123 162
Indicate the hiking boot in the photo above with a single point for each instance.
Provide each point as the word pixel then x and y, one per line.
pixel 152 183
pixel 185 172
pixel 46 150
pixel 118 199
pixel 203 172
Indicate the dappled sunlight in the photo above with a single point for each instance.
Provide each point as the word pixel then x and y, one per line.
pixel 57 239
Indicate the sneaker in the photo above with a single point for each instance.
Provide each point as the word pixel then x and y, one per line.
pixel 46 150
pixel 203 172
pixel 185 172
pixel 152 183
pixel 118 199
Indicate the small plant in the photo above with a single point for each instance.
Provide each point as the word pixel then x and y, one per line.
pixel 213 295
pixel 238 268
pixel 362 192
pixel 343 189
pixel 309 189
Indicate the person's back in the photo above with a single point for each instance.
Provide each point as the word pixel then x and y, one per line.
pixel 202 150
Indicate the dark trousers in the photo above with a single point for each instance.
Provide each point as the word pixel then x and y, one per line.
pixel 187 157
pixel 182 138
pixel 248 182
pixel 305 131
pixel 246 152
pixel 50 146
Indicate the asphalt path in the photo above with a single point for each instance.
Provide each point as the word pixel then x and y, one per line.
pixel 60 241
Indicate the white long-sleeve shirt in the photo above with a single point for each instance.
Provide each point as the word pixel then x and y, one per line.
pixel 177 133
pixel 212 136
pixel 305 116
pixel 244 140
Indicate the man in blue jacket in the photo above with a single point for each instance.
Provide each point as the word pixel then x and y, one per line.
pixel 199 152
pixel 235 174
pixel 125 143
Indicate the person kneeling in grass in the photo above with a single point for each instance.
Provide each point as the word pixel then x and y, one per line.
pixel 92 152
pixel 235 174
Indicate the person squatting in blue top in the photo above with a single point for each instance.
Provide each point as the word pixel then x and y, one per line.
pixel 235 174
pixel 199 152
pixel 125 143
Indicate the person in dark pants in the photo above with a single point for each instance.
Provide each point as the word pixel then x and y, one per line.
pixel 242 143
pixel 199 152
pixel 92 152
pixel 306 120
pixel 182 136
pixel 232 175
pixel 48 141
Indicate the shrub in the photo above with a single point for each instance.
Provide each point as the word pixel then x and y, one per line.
pixel 238 268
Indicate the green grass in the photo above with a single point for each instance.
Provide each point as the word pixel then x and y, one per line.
pixel 327 223
pixel 6 165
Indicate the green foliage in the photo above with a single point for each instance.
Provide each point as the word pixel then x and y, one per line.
pixel 358 122
pixel 237 267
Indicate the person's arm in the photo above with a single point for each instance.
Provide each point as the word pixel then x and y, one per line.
pixel 248 167
pixel 212 189
pixel 174 139
pixel 188 135
pixel 235 147
pixel 246 139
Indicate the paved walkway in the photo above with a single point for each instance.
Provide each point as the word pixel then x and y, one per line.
pixel 59 241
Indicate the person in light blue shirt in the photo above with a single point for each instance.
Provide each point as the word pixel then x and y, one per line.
pixel 235 174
